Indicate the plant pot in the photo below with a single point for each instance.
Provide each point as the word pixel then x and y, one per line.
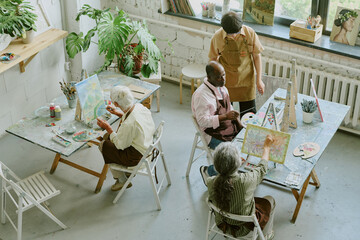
pixel 29 36
pixel 138 59
pixel 5 40
pixel 308 117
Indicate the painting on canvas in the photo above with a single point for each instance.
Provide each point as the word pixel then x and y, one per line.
pixel 91 98
pixel 346 26
pixel 260 11
pixel 254 143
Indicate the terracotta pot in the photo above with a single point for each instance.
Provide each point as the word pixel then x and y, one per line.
pixel 138 59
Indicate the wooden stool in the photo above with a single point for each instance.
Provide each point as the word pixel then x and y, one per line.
pixel 193 71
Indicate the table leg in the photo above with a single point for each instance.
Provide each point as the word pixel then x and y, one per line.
pixel 198 82
pixel 299 198
pixel 158 99
pixel 181 77
pixel 315 178
pixel 55 163
pixel 192 86
pixel 102 178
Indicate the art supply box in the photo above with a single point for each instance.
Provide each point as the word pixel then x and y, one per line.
pixel 298 30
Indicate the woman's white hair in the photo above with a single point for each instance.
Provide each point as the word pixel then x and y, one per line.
pixel 122 96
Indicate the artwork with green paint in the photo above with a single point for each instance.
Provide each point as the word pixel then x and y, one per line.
pixel 254 143
pixel 91 98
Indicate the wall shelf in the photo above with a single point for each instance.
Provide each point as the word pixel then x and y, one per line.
pixel 29 51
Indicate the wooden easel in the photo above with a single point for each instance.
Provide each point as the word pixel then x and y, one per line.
pixel 293 79
pixel 289 116
pixel 78 113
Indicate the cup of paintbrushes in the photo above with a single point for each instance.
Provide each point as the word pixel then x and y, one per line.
pixel 70 93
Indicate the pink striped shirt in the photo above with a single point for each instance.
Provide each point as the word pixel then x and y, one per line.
pixel 203 106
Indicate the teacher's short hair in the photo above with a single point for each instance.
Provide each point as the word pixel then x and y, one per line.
pixel 231 22
pixel 122 96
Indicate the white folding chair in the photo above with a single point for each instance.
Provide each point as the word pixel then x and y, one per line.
pixel 147 167
pixel 25 194
pixel 213 228
pixel 199 143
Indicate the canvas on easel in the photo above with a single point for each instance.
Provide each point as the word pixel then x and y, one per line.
pixel 271 118
pixel 91 98
pixel 316 98
pixel 254 143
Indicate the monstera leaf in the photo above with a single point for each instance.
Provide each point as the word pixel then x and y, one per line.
pixel 74 44
pixel 147 40
pixel 113 33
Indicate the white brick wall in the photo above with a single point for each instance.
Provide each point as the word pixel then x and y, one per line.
pixel 22 93
pixel 193 47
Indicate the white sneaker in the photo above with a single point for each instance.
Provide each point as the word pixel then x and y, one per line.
pixel 118 186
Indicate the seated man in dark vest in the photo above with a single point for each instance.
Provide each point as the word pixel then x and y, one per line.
pixel 212 109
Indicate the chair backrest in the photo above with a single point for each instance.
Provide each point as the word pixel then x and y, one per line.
pixel 201 134
pixel 252 218
pixel 158 133
pixel 3 174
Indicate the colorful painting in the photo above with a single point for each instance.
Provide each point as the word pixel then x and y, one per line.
pixel 259 11
pixel 254 143
pixel 91 98
pixel 346 26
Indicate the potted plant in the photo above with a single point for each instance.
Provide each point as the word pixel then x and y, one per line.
pixel 308 107
pixel 16 17
pixel 116 33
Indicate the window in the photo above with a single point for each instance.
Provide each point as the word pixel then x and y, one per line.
pixel 236 5
pixel 293 9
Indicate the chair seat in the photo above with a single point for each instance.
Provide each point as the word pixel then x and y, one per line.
pixel 39 187
pixel 194 71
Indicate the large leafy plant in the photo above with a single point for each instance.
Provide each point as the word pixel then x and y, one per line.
pixel 16 17
pixel 116 33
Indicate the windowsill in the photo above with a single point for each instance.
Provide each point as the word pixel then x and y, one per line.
pixel 281 32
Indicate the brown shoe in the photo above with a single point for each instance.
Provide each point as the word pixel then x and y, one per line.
pixel 118 186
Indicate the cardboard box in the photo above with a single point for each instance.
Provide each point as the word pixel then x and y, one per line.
pixel 299 31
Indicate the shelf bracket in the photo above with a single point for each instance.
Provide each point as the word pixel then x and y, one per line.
pixel 23 64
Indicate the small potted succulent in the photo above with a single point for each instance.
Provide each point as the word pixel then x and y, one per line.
pixel 309 108
pixel 16 17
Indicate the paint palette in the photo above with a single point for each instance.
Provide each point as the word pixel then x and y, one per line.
pixel 85 135
pixel 250 118
pixel 306 150
pixel 42 112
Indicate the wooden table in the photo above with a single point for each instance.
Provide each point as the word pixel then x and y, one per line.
pixel 33 128
pixel 318 132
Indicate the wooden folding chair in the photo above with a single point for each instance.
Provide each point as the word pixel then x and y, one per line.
pixel 199 143
pixel 213 228
pixel 29 192
pixel 147 167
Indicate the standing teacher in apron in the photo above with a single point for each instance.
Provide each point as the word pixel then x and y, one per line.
pixel 238 49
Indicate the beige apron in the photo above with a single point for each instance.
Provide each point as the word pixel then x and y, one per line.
pixel 239 68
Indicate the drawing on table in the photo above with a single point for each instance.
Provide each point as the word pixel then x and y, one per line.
pixel 254 143
pixel 91 98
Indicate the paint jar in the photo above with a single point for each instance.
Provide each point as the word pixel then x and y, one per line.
pixel 211 10
pixel 57 113
pixel 204 13
pixel 52 110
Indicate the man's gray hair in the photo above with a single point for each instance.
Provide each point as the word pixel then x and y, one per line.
pixel 226 158
pixel 122 96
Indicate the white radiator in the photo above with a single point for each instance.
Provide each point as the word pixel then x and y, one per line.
pixel 329 86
